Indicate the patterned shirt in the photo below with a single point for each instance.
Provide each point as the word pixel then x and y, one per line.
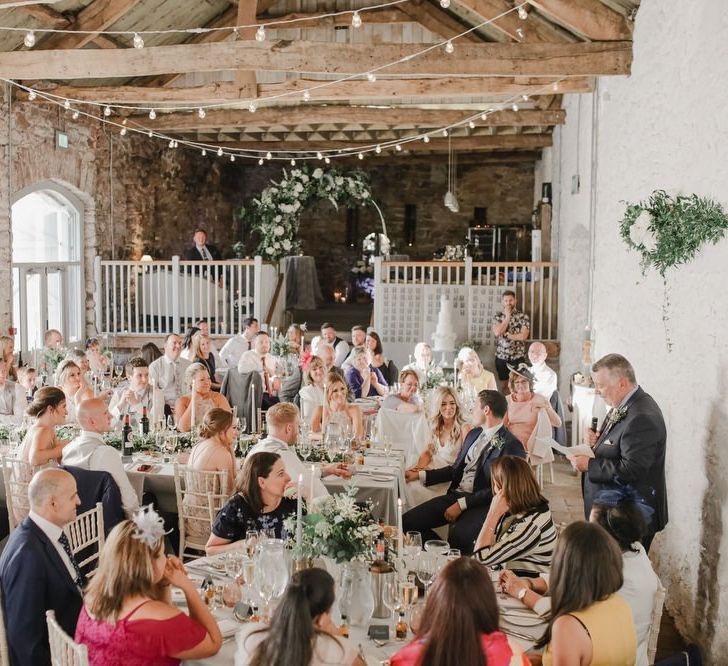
pixel 510 350
pixel 236 518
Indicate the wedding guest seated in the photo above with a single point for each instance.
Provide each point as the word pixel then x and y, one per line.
pixel 295 334
pixel 204 327
pixel 12 398
pixel 375 352
pixel 69 379
pixel 38 571
pixel 466 502
pixel 80 358
pixel 131 398
pixel 283 421
pixel 406 400
pixel 328 355
pixel 545 381
pixel 311 394
pixel 168 372
pixel 234 348
pixel 7 354
pixel 27 377
pixel 364 379
pixel 328 335
pixel 40 444
pixel 518 533
pixel 200 400
pixel 97 361
pixel 336 410
pixel 474 376
pixel 187 352
pixel 150 352
pixel 128 616
pixel 422 362
pixel 258 503
pixel 215 452
pixel 301 632
pixel 53 339
pixel 260 360
pixel 358 339
pixel 89 451
pixel 461 610
pixel 524 405
pixel 590 623
pixel 200 353
pixel 291 382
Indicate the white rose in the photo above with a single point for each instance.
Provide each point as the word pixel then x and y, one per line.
pixel 339 180
pixel 365 195
pixel 304 178
pixel 278 231
pixel 296 205
pixel 287 245
pixel 270 250
pixel 277 245
pixel 299 188
pixel 317 173
pixel 284 183
pixel 286 208
pixel 277 218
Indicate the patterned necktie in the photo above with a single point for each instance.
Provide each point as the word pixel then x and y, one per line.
pixel 80 578
pixel 266 378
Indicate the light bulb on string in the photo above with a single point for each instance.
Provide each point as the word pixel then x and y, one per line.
pixel 524 98
pixel 107 111
pixel 150 134
pixel 514 106
pixel 122 131
pixel 444 132
pixel 29 39
pixel 260 34
pixel 398 148
pixel 520 34
pixel 449 47
pixel 327 159
pixel 75 115
pixel 361 156
pixel 171 143
pixel 137 41
pixel 306 96
pixel 203 152
pixel 293 162
pixel 268 155
pixel 355 20
pixel 555 86
pixel 426 138
pixel 371 77
pixel 252 107
pixel 471 125
pixel 201 112
pixel 152 114
pixel 219 152
pixel 378 149
pixel 522 13
pixel 260 162
pixel 32 95
pixel 67 104
pixel 484 116
pixel 319 156
pixel 444 4
pixel 232 158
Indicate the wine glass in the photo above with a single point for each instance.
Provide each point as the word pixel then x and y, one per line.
pixel 412 544
pixel 242 424
pixel 170 422
pixel 252 537
pixel 268 534
pixel 391 596
pixel 231 594
pixel 387 446
pixel 437 546
pixel 118 369
pixel 304 446
pixel 271 573
pixel 426 568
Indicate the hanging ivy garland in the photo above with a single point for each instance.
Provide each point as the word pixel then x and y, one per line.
pixel 668 231
pixel 276 213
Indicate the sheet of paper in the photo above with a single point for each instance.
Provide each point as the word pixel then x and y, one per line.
pixel 579 450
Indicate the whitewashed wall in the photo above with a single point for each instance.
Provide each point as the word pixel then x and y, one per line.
pixel 665 126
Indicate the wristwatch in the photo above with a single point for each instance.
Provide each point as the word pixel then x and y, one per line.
pixel 521 593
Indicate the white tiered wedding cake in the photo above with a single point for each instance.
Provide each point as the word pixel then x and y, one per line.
pixel 444 335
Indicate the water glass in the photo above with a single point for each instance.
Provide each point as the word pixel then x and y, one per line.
pixel 387 446
pixel 437 546
pixel 426 568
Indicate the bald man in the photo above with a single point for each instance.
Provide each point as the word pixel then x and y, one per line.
pixel 545 380
pixel 38 571
pixel 89 451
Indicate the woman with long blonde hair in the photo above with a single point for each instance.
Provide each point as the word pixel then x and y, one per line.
pixel 336 409
pixel 70 380
pixel 7 354
pixel 200 350
pixel 449 429
pixel 127 618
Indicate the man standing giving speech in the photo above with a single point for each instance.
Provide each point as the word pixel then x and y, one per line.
pixel 629 450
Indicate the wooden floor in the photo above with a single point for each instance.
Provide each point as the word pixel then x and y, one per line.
pixel 567 506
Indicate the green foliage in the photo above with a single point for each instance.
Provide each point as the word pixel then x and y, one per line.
pixel 669 231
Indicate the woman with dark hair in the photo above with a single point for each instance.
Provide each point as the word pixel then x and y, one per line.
pixel 186 352
pixel 40 444
pixel 460 623
pixel 518 532
pixel 590 623
pixel 375 355
pixel 150 352
pixel 258 503
pixel 301 632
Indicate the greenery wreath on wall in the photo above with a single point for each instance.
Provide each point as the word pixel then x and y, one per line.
pixel 276 213
pixel 668 231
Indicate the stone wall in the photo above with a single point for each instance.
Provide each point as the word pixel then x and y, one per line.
pixel 662 127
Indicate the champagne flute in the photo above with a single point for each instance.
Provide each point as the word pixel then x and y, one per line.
pixel 408 593
pixel 426 568
pixel 252 537
pixel 387 446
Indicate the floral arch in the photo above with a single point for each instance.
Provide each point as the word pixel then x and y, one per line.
pixel 276 213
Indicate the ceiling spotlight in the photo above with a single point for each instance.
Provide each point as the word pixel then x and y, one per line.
pixel 355 20
pixel 361 156
pixel 260 162
pixel 32 95
pixel 522 13
pixel 107 111
pixel 520 34
pixel 219 152
pixel 444 4
pixel 29 40
pixel 252 108
pixel 152 114
pixel 75 115
pixel 138 42
pixel 398 148
pixel 260 34
pixel 514 106
pixel 371 77
pixel 306 96
pixel 67 104
pixel 426 138
pixel 268 155
pixel 201 112
pixel 449 48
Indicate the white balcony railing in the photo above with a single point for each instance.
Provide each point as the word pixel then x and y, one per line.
pixel 160 297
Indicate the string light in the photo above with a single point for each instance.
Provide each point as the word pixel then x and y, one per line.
pixel 152 114
pixel 201 112
pixel 327 159
pixel 150 134
pixel 137 41
pixel 471 125
pixel 355 20
pixel 524 98
pixel 260 34
pixel 306 96
pixel 515 106
pixel 555 86
pixel 219 152
pixel 378 149
pixel 260 162
pixel 444 132
pixel 171 143
pixel 398 148
pixel 32 95
pixel 122 131
pixel 361 156
pixel 75 115
pixel 371 77
pixel 268 155
pixel 444 4
pixel 107 111
pixel 293 162
pixel 449 48
pixel 520 34
pixel 319 156
pixel 252 108
pixel 29 40
pixel 204 153
pixel 426 138
pixel 522 13
pixel 67 104
pixel 232 158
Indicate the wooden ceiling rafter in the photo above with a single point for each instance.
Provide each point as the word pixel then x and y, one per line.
pixel 590 19
pixel 437 20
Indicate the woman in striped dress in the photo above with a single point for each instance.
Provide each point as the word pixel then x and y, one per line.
pixel 518 533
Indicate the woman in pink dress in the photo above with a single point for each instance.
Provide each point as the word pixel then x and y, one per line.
pixel 127 618
pixel 524 405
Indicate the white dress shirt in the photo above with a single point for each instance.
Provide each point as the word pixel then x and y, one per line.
pixel 169 376
pixel 135 411
pixel 471 462
pixel 89 451
pixel 53 532
pixel 252 361
pixel 341 349
pixel 12 403
pixel 234 348
pixel 545 380
pixel 204 252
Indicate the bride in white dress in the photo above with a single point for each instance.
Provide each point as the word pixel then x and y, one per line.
pixel 448 433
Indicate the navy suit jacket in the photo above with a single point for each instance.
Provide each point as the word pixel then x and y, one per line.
pixel 34 579
pixel 632 452
pixel 482 491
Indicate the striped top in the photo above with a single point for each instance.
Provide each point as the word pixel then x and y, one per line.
pixel 524 542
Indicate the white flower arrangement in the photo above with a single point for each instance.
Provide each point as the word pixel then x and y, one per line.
pixel 276 211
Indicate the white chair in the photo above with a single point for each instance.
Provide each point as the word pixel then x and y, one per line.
pixel 408 432
pixel 17 474
pixel 86 531
pixel 200 495
pixel 64 651
pixel 4 655
pixel 657 607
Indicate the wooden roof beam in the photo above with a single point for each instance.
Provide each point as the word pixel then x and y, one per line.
pixel 437 20
pixel 314 20
pixel 590 59
pixel 51 18
pixel 590 18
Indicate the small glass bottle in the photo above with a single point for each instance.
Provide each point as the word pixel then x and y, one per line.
pixel 401 628
pixel 344 627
